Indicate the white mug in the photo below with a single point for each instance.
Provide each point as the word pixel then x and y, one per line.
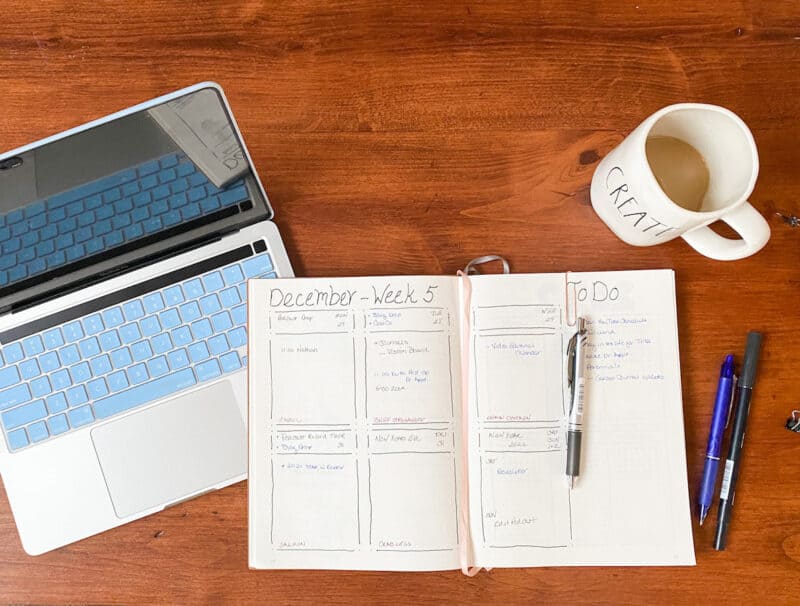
pixel 629 199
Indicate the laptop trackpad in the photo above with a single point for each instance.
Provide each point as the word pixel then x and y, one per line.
pixel 172 450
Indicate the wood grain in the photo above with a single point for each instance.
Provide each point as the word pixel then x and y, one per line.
pixel 408 138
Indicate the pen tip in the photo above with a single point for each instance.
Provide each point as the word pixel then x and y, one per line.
pixel 703 514
pixel 572 481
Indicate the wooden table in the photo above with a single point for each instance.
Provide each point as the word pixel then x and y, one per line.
pixel 409 139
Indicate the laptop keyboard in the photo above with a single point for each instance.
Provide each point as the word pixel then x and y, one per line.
pixel 128 354
pixel 108 213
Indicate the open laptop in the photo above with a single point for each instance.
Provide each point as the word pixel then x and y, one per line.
pixel 125 246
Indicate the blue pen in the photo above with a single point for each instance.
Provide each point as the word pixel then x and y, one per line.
pixel 719 420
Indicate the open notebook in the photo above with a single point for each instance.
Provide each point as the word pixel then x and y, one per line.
pixel 418 423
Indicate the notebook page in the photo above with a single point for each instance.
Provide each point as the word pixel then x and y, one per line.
pixel 630 504
pixel 355 434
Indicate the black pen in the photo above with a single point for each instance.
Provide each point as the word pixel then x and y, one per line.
pixel 575 370
pixel 731 474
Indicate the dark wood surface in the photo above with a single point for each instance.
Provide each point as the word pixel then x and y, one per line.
pixel 409 138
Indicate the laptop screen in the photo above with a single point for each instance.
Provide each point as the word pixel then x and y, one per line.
pixel 146 182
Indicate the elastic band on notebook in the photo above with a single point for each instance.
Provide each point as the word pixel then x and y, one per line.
pixel 465 549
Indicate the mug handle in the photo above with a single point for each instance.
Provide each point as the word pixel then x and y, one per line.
pixel 745 220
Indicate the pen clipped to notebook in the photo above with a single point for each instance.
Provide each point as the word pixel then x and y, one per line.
pixel 576 380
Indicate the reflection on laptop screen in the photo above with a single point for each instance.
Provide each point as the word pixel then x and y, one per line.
pixel 118 186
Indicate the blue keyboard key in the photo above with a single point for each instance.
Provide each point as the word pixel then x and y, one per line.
pixel 210 304
pixel 190 211
pixel 189 311
pixel 29 369
pixel 233 275
pixel 213 281
pixel 8 376
pixel 110 340
pixel 148 168
pixel 161 343
pixel 113 239
pixel 137 374
pixel 165 176
pixel 179 199
pixel 208 370
pixel 13 353
pixel 103 227
pixel 132 232
pixel 76 395
pixel 97 388
pixel 133 310
pixel 218 344
pixel 33 346
pixel 94 202
pixel 158 366
pixel 121 358
pixel 14 395
pixel 210 204
pixel 173 217
pixel 169 161
pixel 229 297
pixel 82 235
pixel 193 289
pixel 198 179
pixel 161 192
pixel 221 322
pixel 198 352
pixel 60 379
pixel 113 317
pixel 17 439
pixel 80 373
pixel 173 295
pixel 80 416
pixel 112 195
pixel 69 355
pixel 57 425
pixel 237 337
pixel 94 246
pixel 130 189
pixel 152 225
pixel 40 387
pixel 64 241
pixel 141 351
pixel 38 432
pixel 255 266
pixel 178 359
pixel 202 329
pixel 14 216
pixel 230 362
pixel 18 272
pixel 196 193
pixel 117 380
pixel 89 347
pixel 160 207
pixel 93 324
pixel 154 390
pixel 23 415
pixel 130 333
pixel 100 365
pixel 73 331
pixel 169 319
pixel 153 303
pixel 181 336
pixel 44 249
pixel 139 215
pixel 142 199
pixel 150 326
pixel 233 195
pixel 56 403
pixel 75 252
pixel 239 314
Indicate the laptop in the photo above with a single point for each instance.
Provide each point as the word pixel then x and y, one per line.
pixel 125 248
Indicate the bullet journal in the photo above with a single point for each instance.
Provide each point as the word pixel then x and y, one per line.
pixel 418 423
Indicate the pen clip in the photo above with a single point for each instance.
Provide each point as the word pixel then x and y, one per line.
pixel 730 404
pixel 571 360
